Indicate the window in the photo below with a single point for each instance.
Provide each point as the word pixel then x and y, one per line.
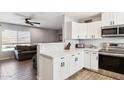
pixel 11 38
pixel 23 37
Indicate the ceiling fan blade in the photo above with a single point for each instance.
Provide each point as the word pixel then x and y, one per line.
pixel 35 22
pixel 31 24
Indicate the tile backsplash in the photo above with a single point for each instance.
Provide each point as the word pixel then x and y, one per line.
pixel 99 42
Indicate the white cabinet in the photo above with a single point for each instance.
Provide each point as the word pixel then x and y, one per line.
pixel 61 67
pixel 119 18
pixel 97 29
pixel 90 30
pixel 94 30
pixel 76 30
pixel 94 60
pixel 112 18
pixel 84 30
pixel 73 64
pixel 107 19
pixel 91 59
pixel 80 63
pixel 87 59
pixel 76 64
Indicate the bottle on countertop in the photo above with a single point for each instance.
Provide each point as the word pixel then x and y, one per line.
pixel 67 47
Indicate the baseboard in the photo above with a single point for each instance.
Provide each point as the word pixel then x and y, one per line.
pixel 6 58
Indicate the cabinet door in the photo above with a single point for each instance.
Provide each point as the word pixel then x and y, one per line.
pixel 75 30
pixel 72 64
pixel 118 18
pixel 94 60
pixel 107 19
pixel 79 61
pixel 90 30
pixel 87 59
pixel 66 67
pixel 61 68
pixel 82 30
pixel 97 29
pixel 58 69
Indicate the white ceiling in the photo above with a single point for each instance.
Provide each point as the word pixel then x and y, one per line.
pixel 51 20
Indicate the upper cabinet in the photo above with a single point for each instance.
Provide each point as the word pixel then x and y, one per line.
pixel 112 18
pixel 84 30
pixel 94 30
pixel 76 30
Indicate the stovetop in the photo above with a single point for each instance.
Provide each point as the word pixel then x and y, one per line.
pixel 116 51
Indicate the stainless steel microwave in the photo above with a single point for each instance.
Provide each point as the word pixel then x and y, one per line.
pixel 109 31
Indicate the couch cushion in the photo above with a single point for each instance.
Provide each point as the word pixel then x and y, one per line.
pixel 28 52
pixel 33 47
pixel 23 48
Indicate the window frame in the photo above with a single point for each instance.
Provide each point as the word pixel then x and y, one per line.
pixel 17 43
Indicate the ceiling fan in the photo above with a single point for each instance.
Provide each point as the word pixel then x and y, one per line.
pixel 28 21
pixel 27 18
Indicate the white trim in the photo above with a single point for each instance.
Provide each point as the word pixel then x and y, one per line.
pixel 6 58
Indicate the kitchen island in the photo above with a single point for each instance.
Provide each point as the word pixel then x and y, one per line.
pixel 59 64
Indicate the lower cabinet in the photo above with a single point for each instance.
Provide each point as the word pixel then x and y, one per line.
pixel 61 68
pixel 76 62
pixel 66 66
pixel 91 59
pixel 94 60
pixel 87 59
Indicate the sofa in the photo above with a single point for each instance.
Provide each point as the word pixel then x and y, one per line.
pixel 25 52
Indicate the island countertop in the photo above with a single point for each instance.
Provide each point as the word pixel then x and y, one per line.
pixel 54 54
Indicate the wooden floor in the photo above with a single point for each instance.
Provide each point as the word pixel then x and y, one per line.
pixel 14 70
pixel 89 75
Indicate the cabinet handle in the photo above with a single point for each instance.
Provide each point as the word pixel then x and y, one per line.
pixel 94 53
pixel 86 52
pixel 76 59
pixel 92 36
pixel 72 55
pixel 62 64
pixel 97 58
pixel 78 36
pixel 78 53
pixel 62 57
pixel 113 22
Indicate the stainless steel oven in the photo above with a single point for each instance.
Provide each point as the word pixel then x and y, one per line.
pixel 111 63
pixel 112 57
